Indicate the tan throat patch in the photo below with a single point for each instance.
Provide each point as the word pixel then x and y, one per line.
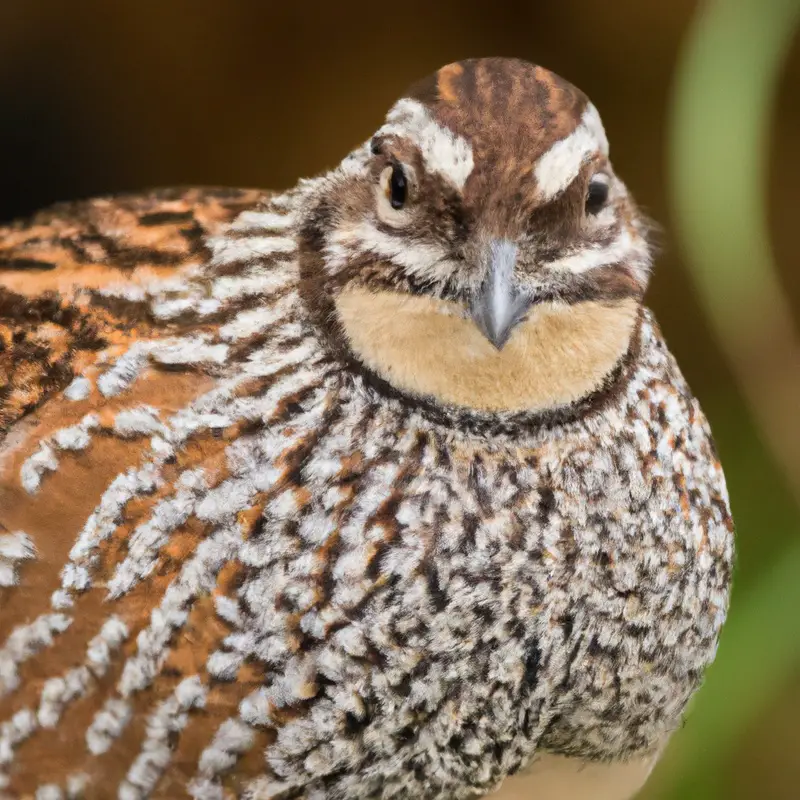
pixel 425 346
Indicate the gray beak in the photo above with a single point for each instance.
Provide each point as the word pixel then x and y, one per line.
pixel 499 305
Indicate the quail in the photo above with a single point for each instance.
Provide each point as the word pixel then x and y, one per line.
pixel 386 486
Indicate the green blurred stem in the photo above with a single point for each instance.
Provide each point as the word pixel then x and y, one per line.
pixel 722 108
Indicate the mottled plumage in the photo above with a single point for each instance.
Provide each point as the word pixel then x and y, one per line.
pixel 277 519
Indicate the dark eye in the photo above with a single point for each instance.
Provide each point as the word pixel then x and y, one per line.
pixel 398 187
pixel 596 196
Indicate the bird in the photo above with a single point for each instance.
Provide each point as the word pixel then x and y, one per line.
pixel 383 486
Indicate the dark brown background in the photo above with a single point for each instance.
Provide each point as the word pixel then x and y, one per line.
pixel 104 96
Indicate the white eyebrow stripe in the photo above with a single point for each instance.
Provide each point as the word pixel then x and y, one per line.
pixel 591 119
pixel 557 168
pixel 442 150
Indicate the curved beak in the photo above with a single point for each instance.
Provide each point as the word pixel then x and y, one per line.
pixel 499 305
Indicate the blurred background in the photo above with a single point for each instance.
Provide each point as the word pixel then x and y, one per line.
pixel 700 100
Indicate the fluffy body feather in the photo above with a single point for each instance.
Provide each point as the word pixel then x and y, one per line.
pixel 246 564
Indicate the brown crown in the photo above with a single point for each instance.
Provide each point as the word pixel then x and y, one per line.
pixel 511 112
pixel 502 101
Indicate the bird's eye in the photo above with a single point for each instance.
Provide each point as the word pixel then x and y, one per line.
pixel 596 196
pixel 398 187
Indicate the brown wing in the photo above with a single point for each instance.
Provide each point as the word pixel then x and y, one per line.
pixel 56 322
pixel 53 267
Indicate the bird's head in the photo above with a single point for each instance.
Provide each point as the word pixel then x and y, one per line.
pixel 479 250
